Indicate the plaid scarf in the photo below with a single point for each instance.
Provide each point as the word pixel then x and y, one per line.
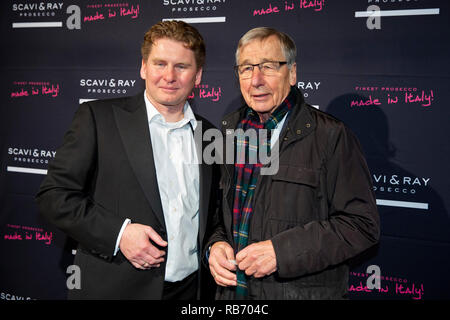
pixel 246 176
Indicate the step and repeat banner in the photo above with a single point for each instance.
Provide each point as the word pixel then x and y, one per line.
pixel 381 66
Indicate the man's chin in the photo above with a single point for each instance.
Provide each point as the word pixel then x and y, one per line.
pixel 262 108
pixel 173 104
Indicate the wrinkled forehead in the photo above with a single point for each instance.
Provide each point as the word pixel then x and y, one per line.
pixel 265 49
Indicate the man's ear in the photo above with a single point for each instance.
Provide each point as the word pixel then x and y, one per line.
pixel 143 69
pixel 198 76
pixel 293 74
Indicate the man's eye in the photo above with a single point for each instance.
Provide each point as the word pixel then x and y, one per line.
pixel 269 66
pixel 246 68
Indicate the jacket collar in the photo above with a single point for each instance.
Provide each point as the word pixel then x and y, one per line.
pixel 132 123
pixel 299 124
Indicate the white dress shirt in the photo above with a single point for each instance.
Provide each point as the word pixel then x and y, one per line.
pixel 177 172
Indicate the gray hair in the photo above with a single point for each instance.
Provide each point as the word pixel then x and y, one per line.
pixel 287 44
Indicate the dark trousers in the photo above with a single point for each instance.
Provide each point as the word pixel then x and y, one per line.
pixel 185 289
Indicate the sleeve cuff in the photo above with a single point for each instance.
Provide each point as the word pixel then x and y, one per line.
pixel 125 223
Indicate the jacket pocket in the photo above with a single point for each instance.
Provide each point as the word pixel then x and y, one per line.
pixel 298 175
pixel 294 195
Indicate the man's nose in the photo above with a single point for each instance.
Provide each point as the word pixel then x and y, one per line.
pixel 257 77
pixel 169 74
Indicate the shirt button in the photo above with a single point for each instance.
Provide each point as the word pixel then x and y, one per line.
pixel 224 122
pixel 299 131
pixel 308 125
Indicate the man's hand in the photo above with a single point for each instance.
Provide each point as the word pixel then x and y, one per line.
pixel 137 248
pixel 221 264
pixel 257 259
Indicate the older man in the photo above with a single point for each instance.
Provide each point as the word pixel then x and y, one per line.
pixel 290 234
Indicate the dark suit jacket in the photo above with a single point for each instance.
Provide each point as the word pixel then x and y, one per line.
pixel 103 173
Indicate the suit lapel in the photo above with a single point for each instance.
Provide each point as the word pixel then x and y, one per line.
pixel 205 180
pixel 132 123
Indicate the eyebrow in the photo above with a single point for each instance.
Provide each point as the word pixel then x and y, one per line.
pixel 246 61
pixel 158 60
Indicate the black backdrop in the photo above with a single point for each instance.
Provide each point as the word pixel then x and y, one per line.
pixel 386 76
